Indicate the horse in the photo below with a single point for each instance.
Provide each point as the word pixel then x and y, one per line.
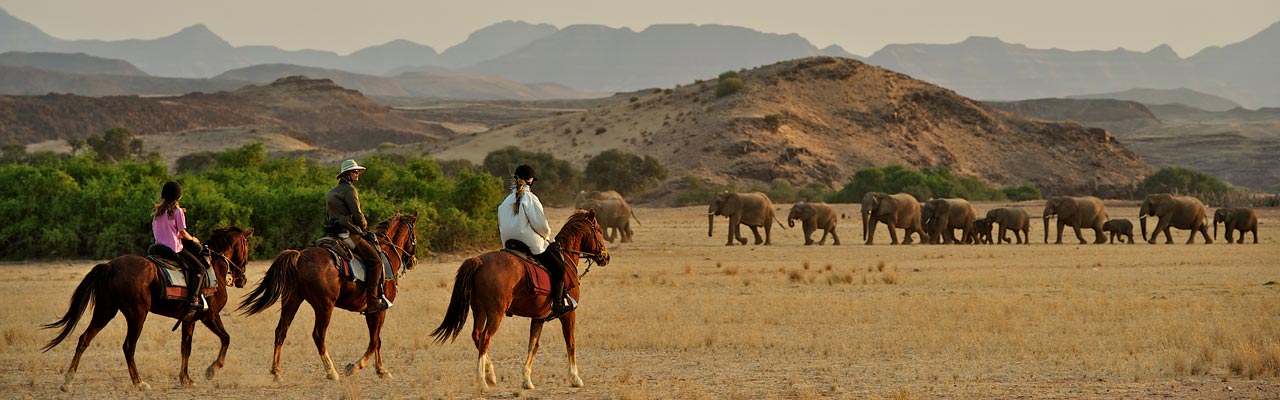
pixel 310 275
pixel 496 283
pixel 131 285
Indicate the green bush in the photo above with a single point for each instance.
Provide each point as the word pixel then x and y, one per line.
pixel 1022 193
pixel 781 191
pixel 773 122
pixel 1183 181
pixel 79 207
pixel 728 74
pixel 728 86
pixel 624 172
pixel 558 180
pixel 691 191
pixel 923 184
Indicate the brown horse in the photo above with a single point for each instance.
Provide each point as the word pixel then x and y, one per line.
pixel 311 275
pixel 495 283
pixel 131 285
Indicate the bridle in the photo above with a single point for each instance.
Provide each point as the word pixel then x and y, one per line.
pixel 405 254
pixel 237 271
pixel 592 258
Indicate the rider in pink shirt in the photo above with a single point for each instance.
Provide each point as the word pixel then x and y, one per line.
pixel 169 227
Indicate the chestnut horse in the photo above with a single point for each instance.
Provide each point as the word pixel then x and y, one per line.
pixel 495 283
pixel 311 275
pixel 131 285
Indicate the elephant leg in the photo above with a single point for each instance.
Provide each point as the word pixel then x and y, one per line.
pixel 893 236
pixel 1204 232
pixel 1079 235
pixel 870 230
pixel 768 232
pixel 808 237
pixel 755 231
pixel 1061 225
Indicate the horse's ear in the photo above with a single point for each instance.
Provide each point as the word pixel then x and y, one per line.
pixel 248 233
pixel 397 215
pixel 591 213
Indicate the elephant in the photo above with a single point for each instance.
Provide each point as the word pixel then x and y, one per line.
pixel 1086 212
pixel 613 214
pixel 982 230
pixel 753 209
pixel 1013 219
pixel 1237 219
pixel 1119 227
pixel 610 231
pixel 1182 212
pixel 814 216
pixel 943 216
pixel 896 211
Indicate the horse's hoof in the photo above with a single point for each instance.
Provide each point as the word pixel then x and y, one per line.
pixel 209 373
pixel 529 385
pixel 66 387
pixel 185 382
pixel 577 382
pixel 351 369
pixel 279 378
pixel 333 376
pixel 384 374
pixel 143 386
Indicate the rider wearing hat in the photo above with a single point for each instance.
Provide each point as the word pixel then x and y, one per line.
pixel 521 218
pixel 169 228
pixel 346 221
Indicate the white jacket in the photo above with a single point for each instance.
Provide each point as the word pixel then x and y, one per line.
pixel 529 226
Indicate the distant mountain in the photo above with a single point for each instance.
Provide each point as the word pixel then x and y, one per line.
pixel 16 34
pixel 1110 114
pixel 32 81
pixel 378 59
pixel 601 58
pixel 1183 96
pixel 493 41
pixel 988 68
pixel 416 84
pixel 79 63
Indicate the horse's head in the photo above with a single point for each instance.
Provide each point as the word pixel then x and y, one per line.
pixel 231 244
pixel 402 236
pixel 583 229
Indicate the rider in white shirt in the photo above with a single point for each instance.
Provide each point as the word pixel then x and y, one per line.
pixel 521 218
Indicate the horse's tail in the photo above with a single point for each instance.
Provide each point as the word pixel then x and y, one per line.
pixel 456 315
pixel 80 299
pixel 276 284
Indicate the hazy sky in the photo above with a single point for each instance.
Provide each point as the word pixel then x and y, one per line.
pixel 859 26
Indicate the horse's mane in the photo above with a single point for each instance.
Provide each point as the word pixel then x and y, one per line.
pixel 221 239
pixel 575 225
pixel 383 226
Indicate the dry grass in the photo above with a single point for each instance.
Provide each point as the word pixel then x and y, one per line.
pixel 680 315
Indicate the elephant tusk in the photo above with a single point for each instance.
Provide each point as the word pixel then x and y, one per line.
pixel 1143 216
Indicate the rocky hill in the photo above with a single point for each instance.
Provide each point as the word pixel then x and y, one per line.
pixel 1183 96
pixel 78 63
pixel 316 111
pixel 34 81
pixel 416 84
pixel 1112 115
pixel 836 116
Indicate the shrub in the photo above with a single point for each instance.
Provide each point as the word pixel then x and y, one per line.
pixel 601 130
pixel 923 184
pixel 625 172
pixel 728 74
pixel 1183 181
pixel 780 191
pixel 773 122
pixel 558 180
pixel 1022 193
pixel 728 86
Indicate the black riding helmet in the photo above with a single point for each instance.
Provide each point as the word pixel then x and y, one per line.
pixel 525 172
pixel 171 191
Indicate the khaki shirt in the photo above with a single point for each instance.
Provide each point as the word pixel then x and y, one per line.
pixel 342 206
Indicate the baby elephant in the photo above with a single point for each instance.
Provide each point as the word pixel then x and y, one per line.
pixel 982 230
pixel 1119 227
pixel 814 216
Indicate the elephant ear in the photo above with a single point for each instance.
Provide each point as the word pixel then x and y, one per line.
pixel 887 204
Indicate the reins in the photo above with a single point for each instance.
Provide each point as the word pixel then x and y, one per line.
pixel 234 269
pixel 402 253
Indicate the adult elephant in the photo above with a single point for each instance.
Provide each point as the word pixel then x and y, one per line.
pixel 1182 212
pixel 896 211
pixel 943 216
pixel 584 195
pixel 1013 219
pixel 753 209
pixel 814 216
pixel 613 214
pixel 1237 219
pixel 1076 212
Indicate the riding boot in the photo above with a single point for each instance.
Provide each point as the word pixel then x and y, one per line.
pixel 375 300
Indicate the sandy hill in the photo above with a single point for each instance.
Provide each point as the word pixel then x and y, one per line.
pixel 1109 114
pixel 316 111
pixel 838 116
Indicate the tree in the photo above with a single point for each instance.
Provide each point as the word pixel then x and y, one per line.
pixel 624 172
pixel 114 145
pixel 1182 181
pixel 558 181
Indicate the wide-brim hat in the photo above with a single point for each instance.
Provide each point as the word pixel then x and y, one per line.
pixel 349 165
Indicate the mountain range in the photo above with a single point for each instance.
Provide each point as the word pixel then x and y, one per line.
pixel 600 58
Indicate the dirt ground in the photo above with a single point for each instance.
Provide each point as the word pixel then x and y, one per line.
pixel 679 315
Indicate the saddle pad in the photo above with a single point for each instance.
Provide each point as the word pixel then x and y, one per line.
pixel 354 267
pixel 539 278
pixel 175 282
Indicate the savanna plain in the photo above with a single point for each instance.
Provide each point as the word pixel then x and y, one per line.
pixel 678 314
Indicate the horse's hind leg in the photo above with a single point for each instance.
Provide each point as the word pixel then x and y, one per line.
pixel 188 330
pixel 535 333
pixel 486 325
pixel 288 310
pixel 102 314
pixel 324 312
pixel 135 317
pixel 374 321
pixel 567 323
pixel 214 322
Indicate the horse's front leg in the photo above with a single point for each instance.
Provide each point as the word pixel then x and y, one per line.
pixel 535 334
pixel 188 330
pixel 214 323
pixel 374 322
pixel 567 323
pixel 135 316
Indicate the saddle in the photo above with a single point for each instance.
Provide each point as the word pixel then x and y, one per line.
pixel 173 273
pixel 349 265
pixel 539 277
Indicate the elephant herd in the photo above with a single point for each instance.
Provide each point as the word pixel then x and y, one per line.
pixel 936 221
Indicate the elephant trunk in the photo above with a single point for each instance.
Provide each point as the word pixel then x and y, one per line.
pixel 1046 228
pixel 865 218
pixel 1215 229
pixel 711 223
pixel 1142 221
pixel 791 223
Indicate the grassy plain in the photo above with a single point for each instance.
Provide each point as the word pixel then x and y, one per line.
pixel 679 315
